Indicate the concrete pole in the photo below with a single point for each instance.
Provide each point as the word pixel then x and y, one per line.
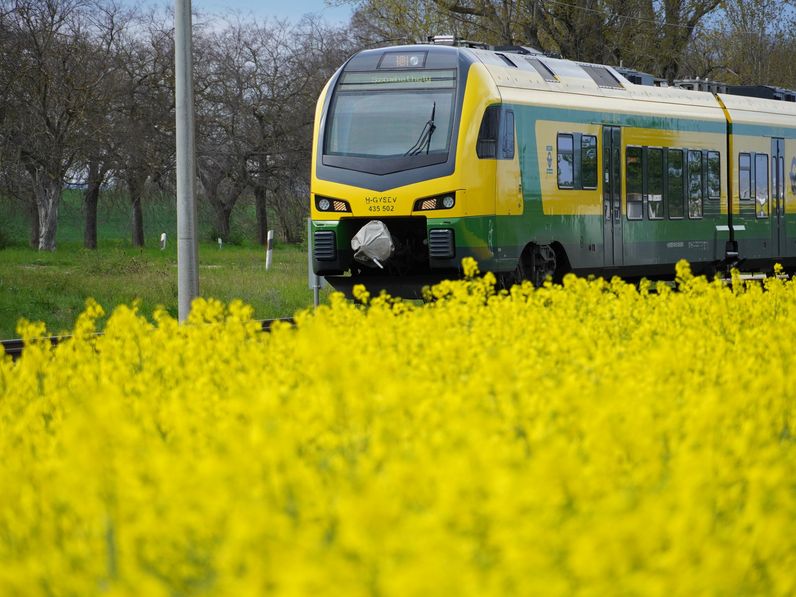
pixel 187 249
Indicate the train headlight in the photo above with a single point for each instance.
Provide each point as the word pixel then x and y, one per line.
pixel 329 204
pixel 446 201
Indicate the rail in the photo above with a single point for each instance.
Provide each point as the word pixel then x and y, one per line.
pixel 14 347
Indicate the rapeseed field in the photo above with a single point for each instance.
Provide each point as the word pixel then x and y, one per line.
pixel 592 438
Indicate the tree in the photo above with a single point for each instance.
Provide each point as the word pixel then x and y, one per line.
pixel 57 75
pixel 680 20
pixel 751 43
pixel 98 146
pixel 15 186
pixel 648 34
pixel 13 178
pixel 224 85
pixel 144 113
pixel 317 52
pixel 257 91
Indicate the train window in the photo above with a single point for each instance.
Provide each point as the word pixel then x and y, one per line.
pixel 780 169
pixel 507 145
pixel 761 185
pixel 694 184
pixel 497 124
pixel 566 161
pixel 634 185
pixel 486 146
pixel 655 183
pixel 745 176
pixel 674 182
pixel 714 175
pixel 588 161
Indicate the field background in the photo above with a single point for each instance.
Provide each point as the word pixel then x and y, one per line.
pixel 53 287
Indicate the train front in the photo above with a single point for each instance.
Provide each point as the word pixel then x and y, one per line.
pixel 384 196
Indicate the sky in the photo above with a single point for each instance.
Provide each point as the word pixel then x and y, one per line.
pixel 284 9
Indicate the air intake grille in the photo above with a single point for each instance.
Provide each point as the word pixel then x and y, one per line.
pixel 543 70
pixel 602 76
pixel 440 243
pixel 323 246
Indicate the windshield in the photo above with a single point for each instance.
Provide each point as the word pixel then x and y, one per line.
pixel 392 114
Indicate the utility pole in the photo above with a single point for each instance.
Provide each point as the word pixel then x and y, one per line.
pixel 187 250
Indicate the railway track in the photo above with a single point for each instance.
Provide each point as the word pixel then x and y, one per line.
pixel 14 347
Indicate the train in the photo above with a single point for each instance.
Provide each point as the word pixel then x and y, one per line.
pixel 536 166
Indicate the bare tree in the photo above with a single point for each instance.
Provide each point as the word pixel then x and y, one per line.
pixel 16 189
pixel 649 34
pixel 751 43
pixel 57 77
pixel 318 50
pixel 257 88
pixel 271 85
pixel 144 115
pixel 223 90
pixel 98 147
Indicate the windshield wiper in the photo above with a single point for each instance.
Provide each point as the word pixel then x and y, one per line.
pixel 424 141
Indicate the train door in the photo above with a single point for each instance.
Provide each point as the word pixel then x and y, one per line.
pixel 612 196
pixel 778 197
pixel 508 194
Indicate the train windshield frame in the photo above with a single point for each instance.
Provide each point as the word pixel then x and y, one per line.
pixel 391 121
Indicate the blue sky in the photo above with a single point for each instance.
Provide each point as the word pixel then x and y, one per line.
pixel 290 9
pixel 283 9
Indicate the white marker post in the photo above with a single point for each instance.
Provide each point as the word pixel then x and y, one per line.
pixel 162 241
pixel 269 250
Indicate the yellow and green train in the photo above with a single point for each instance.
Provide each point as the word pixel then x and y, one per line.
pixel 538 166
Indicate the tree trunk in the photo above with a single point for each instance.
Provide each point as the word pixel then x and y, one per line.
pixel 137 223
pixel 90 201
pixel 262 216
pixel 222 213
pixel 284 217
pixel 211 182
pixel 33 212
pixel 135 187
pixel 291 237
pixel 48 194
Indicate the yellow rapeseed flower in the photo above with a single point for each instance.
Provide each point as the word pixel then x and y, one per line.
pixel 592 437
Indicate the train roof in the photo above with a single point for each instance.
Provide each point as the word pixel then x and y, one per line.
pixel 569 84
pixel 522 68
pixel 764 112
pixel 516 70
pixel 529 71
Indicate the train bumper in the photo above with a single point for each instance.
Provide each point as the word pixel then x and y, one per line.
pixel 423 245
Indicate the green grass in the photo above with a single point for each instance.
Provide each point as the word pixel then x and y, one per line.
pixel 53 287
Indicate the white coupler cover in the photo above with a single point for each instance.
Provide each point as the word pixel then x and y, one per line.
pixel 373 243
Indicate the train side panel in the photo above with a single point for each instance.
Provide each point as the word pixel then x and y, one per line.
pixel 576 217
pixel 764 178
